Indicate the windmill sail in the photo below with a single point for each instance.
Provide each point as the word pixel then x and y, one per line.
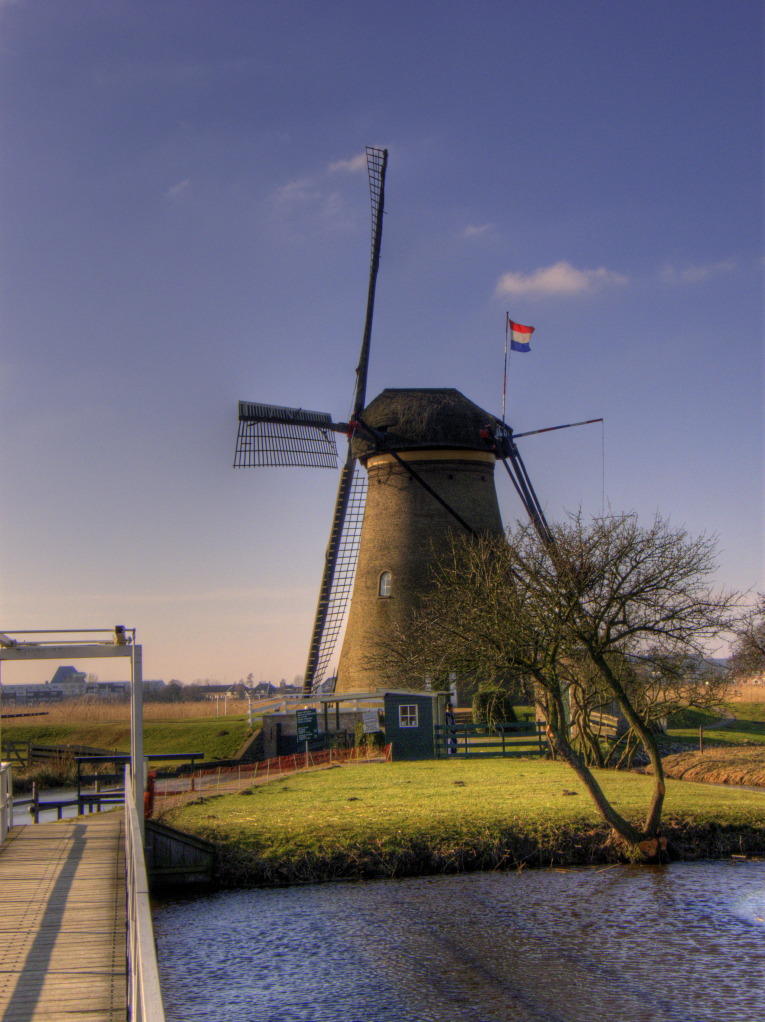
pixel 341 585
pixel 377 161
pixel 273 435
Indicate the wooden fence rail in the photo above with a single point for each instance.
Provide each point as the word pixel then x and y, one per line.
pixel 473 740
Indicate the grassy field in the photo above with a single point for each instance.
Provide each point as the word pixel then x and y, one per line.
pixel 168 727
pixel 748 727
pixel 445 816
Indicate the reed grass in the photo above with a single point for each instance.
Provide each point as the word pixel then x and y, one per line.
pixel 86 711
pixel 747 692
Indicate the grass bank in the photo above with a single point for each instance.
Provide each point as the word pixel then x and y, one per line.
pixel 407 819
pixel 719 766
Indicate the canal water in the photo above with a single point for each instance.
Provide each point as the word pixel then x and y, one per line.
pixel 682 943
pixel 22 815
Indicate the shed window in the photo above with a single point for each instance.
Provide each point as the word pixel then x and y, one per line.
pixel 408 716
pixel 385 584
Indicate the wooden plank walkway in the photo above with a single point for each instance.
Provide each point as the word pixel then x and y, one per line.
pixel 62 921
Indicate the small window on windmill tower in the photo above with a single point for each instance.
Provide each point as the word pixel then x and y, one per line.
pixel 385 584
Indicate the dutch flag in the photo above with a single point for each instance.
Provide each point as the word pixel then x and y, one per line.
pixel 520 336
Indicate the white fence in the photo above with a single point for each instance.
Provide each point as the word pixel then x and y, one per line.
pixel 144 992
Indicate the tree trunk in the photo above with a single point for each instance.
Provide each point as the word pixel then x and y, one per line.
pixel 615 820
pixel 653 818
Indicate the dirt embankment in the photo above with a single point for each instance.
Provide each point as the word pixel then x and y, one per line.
pixel 733 765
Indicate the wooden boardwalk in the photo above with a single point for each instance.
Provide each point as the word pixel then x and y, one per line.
pixel 62 921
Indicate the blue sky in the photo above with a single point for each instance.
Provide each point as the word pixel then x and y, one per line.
pixel 186 223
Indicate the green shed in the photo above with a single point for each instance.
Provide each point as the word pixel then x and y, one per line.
pixel 409 721
pixel 409 717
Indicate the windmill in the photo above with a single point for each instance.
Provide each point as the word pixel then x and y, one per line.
pixel 419 463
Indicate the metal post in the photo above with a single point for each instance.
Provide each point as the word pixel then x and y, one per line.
pixel 136 729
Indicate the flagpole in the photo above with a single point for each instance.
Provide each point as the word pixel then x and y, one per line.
pixel 504 375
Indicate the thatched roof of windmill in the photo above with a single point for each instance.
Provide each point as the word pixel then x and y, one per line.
pixel 424 418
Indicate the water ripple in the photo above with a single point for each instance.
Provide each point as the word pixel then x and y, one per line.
pixel 682 943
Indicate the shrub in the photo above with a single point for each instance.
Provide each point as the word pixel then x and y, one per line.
pixel 493 706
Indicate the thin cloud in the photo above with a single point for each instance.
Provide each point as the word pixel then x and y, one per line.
pixel 333 206
pixel 352 166
pixel 694 274
pixel 179 190
pixel 476 230
pixel 300 190
pixel 559 279
pixel 310 196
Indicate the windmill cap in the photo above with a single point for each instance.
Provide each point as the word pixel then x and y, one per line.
pixel 421 418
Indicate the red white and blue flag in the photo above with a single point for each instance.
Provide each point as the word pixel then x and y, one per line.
pixel 520 336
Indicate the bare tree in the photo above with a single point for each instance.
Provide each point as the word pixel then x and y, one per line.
pixel 748 654
pixel 576 615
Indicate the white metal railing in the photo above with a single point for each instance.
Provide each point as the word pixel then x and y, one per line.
pixel 6 800
pixel 144 991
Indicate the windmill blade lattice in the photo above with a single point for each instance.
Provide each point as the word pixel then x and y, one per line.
pixel 274 435
pixel 376 163
pixel 271 435
pixel 344 574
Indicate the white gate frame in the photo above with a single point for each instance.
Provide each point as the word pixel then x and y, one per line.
pixel 121 643
pixel 144 991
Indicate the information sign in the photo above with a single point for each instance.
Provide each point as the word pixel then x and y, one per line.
pixel 307 725
pixel 371 721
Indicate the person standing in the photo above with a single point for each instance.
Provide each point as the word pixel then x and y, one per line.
pixel 451 737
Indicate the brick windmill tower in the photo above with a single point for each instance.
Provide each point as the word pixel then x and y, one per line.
pixel 419 465
pixel 429 459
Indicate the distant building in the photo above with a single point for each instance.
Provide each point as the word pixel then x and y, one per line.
pixel 28 695
pixel 112 690
pixel 69 681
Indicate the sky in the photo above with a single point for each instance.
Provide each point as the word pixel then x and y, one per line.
pixel 185 223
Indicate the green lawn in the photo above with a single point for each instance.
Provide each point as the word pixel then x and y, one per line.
pixel 747 729
pixel 746 711
pixel 385 797
pixel 404 818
